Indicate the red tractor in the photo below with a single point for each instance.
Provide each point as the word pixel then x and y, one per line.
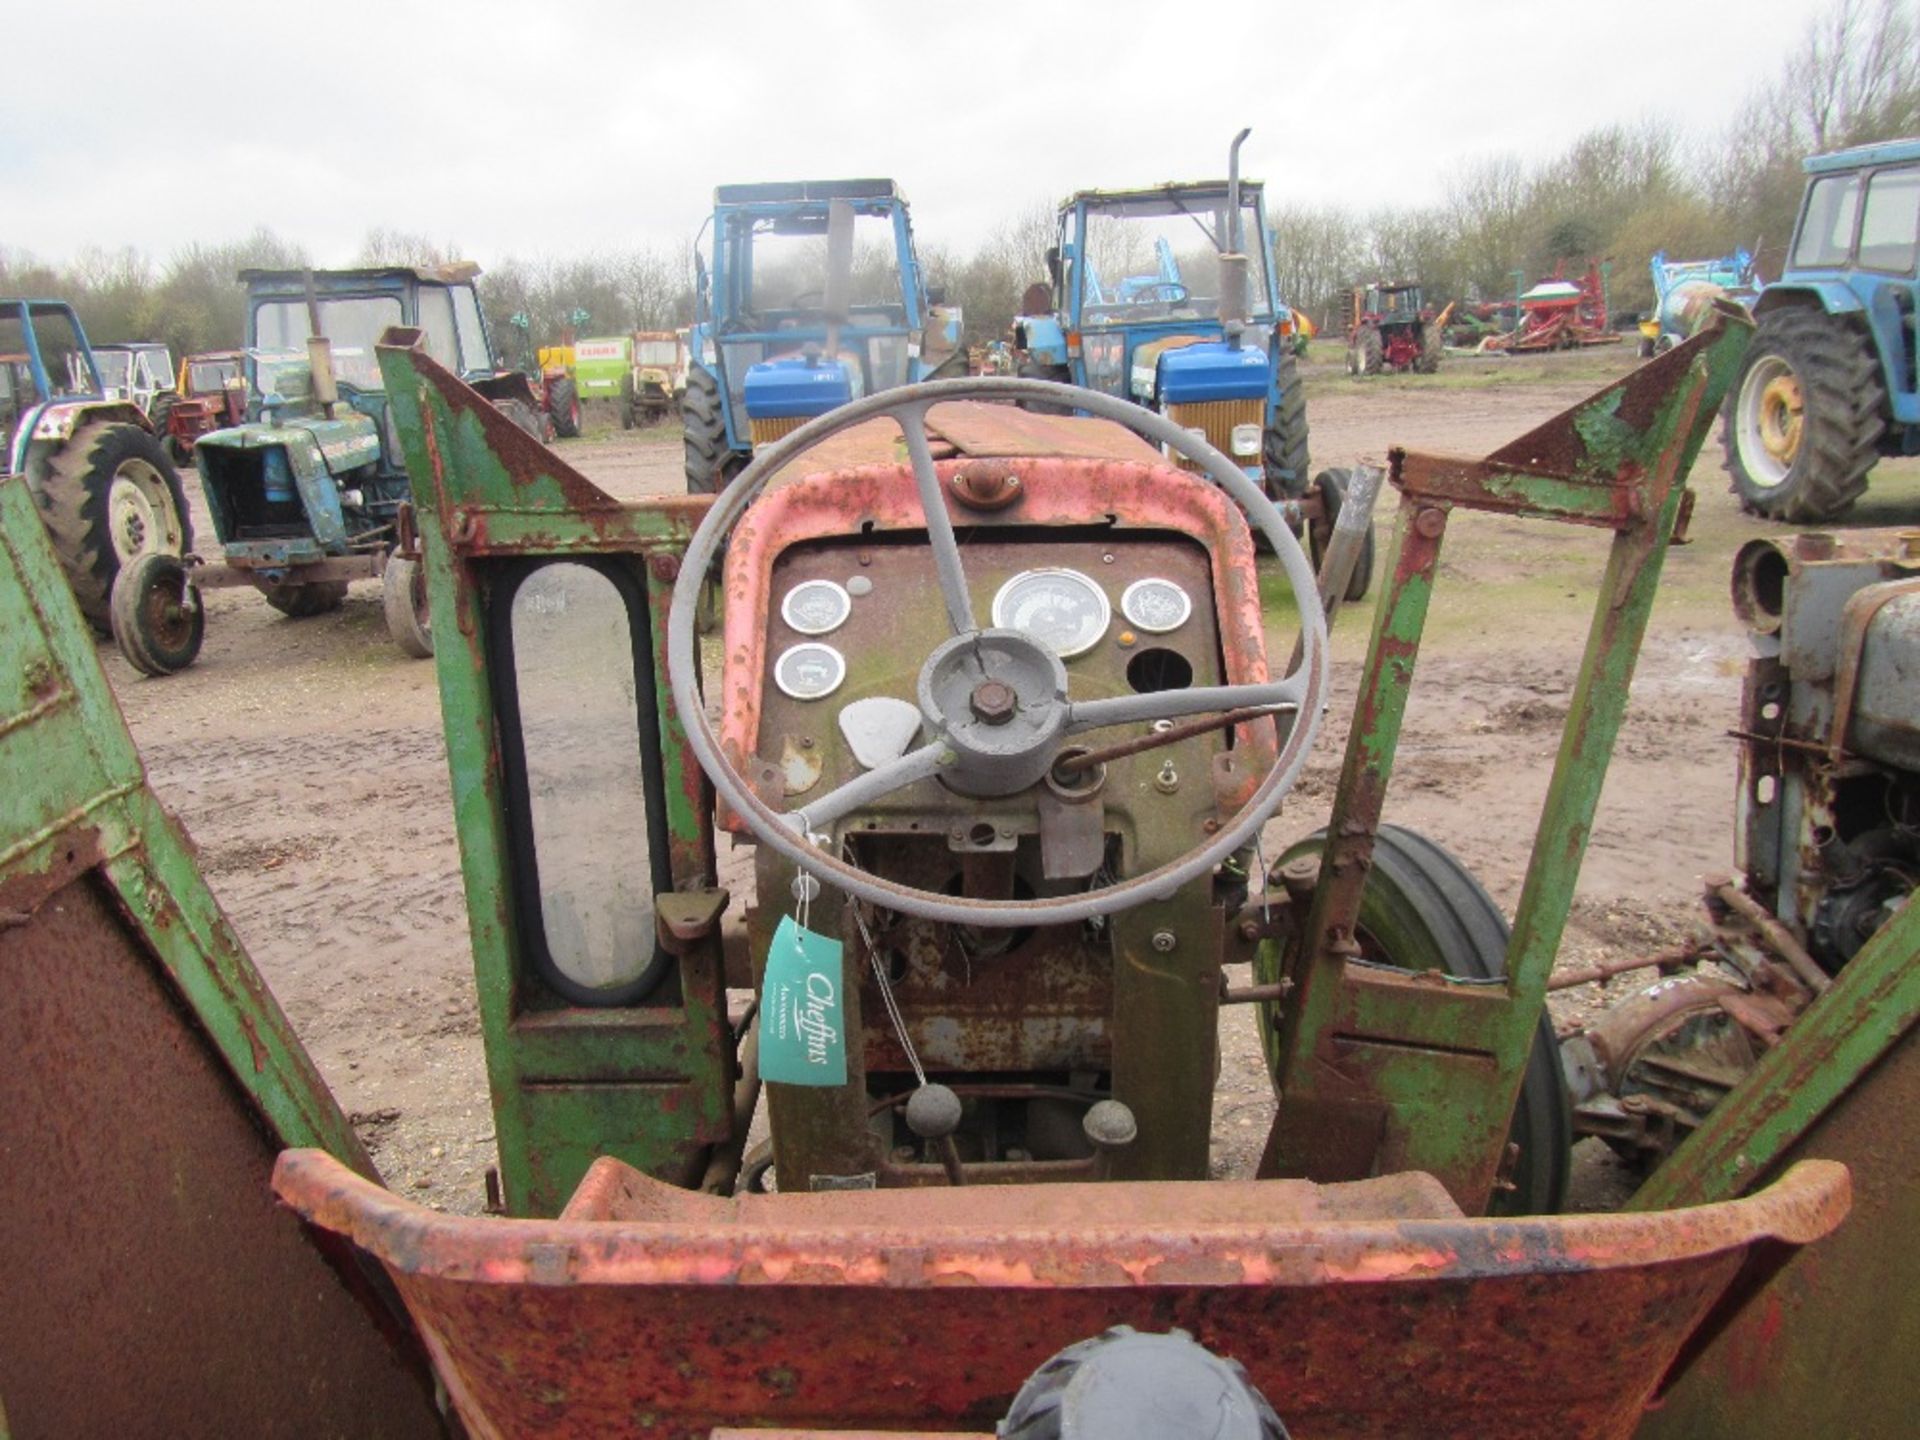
pixel 211 395
pixel 1393 328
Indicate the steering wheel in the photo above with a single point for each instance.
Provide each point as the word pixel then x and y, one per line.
pixel 995 701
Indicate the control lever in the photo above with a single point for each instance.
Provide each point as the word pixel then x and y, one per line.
pixel 933 1113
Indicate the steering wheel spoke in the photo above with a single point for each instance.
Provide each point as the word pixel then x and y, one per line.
pixel 952 574
pixel 1177 704
pixel 876 783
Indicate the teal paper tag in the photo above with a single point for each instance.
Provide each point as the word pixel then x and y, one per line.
pixel 803 1033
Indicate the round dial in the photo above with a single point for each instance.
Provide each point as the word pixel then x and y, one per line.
pixel 815 607
pixel 1155 605
pixel 809 671
pixel 1062 608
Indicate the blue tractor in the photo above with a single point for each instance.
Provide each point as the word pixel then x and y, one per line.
pixel 1166 297
pixel 1828 385
pixel 814 298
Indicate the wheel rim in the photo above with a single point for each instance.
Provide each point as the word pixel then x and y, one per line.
pixel 140 513
pixel 1771 413
pixel 165 616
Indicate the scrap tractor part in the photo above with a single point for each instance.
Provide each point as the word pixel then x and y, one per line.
pixel 107 491
pixel 1832 383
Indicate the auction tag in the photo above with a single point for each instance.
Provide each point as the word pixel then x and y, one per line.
pixel 803 1037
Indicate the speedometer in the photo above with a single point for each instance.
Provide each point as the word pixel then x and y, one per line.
pixel 1061 608
pixel 815 607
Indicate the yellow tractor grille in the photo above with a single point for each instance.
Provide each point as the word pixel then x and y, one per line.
pixel 1215 419
pixel 765 432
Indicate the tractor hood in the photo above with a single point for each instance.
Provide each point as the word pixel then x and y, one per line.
pixel 799 387
pixel 349 442
pixel 1180 371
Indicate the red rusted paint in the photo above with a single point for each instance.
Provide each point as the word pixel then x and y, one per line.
pixel 646 1310
pixel 1054 492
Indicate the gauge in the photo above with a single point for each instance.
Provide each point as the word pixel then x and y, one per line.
pixel 1062 608
pixel 809 671
pixel 1155 605
pixel 814 607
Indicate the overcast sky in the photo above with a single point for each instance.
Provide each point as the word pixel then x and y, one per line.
pixel 561 126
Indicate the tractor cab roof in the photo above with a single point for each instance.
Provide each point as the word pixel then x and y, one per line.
pixel 1172 198
pixel 1885 152
pixel 372 277
pixel 787 194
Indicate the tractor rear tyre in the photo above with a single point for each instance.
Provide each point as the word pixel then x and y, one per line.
pixel 107 496
pixel 1058 374
pixel 711 462
pixel 403 594
pixel 526 417
pixel 1423 910
pixel 298 600
pixel 157 619
pixel 1804 416
pixel 1367 354
pixel 1283 448
pixel 563 403
pixel 157 412
pixel 1433 345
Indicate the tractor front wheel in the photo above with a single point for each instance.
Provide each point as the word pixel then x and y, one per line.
pixel 1332 488
pixel 403 587
pixel 1283 449
pixel 1803 419
pixel 710 461
pixel 108 496
pixel 563 403
pixel 156 615
pixel 1423 910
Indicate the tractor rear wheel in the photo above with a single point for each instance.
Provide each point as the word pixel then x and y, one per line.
pixel 711 462
pixel 157 619
pixel 403 596
pixel 1283 448
pixel 1423 910
pixel 1367 354
pixel 563 403
pixel 298 600
pixel 526 417
pixel 107 496
pixel 1332 488
pixel 1803 418
pixel 157 412
pixel 1058 374
pixel 1433 345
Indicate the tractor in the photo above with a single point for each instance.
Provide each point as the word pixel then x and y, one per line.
pixel 1001 892
pixel 140 371
pixel 659 374
pixel 210 394
pixel 1830 383
pixel 106 489
pixel 309 494
pixel 1166 297
pixel 1684 292
pixel 1392 328
pixel 814 297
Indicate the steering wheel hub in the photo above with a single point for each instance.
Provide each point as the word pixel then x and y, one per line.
pixel 999 699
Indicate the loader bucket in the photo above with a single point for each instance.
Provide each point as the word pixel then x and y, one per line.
pixel 1373 1308
pixel 152 1286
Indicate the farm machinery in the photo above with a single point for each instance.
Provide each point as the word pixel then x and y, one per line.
pixel 1165 297
pixel 1393 328
pixel 210 394
pixel 992 931
pixel 107 492
pixel 140 371
pixel 644 373
pixel 1559 314
pixel 309 494
pixel 814 298
pixel 1684 293
pixel 1832 381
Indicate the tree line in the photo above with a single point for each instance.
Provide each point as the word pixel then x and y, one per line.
pixel 1617 194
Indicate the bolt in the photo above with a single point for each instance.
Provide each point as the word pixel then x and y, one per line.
pixel 1163 941
pixel 664 567
pixel 994 702
pixel 1432 520
pixel 1168 780
pixel 1210 826
pixel 806 742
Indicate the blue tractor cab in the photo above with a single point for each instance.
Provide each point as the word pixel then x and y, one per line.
pixel 814 297
pixel 1828 384
pixel 1166 296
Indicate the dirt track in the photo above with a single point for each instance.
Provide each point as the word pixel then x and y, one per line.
pixel 305 758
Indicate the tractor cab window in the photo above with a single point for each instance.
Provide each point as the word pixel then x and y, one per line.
pixel 1159 258
pixel 579 708
pixel 436 319
pixel 116 370
pixel 474 354
pixel 1826 227
pixel 209 377
pixel 1890 224
pixel 662 353
pixel 353 324
pixel 788 271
